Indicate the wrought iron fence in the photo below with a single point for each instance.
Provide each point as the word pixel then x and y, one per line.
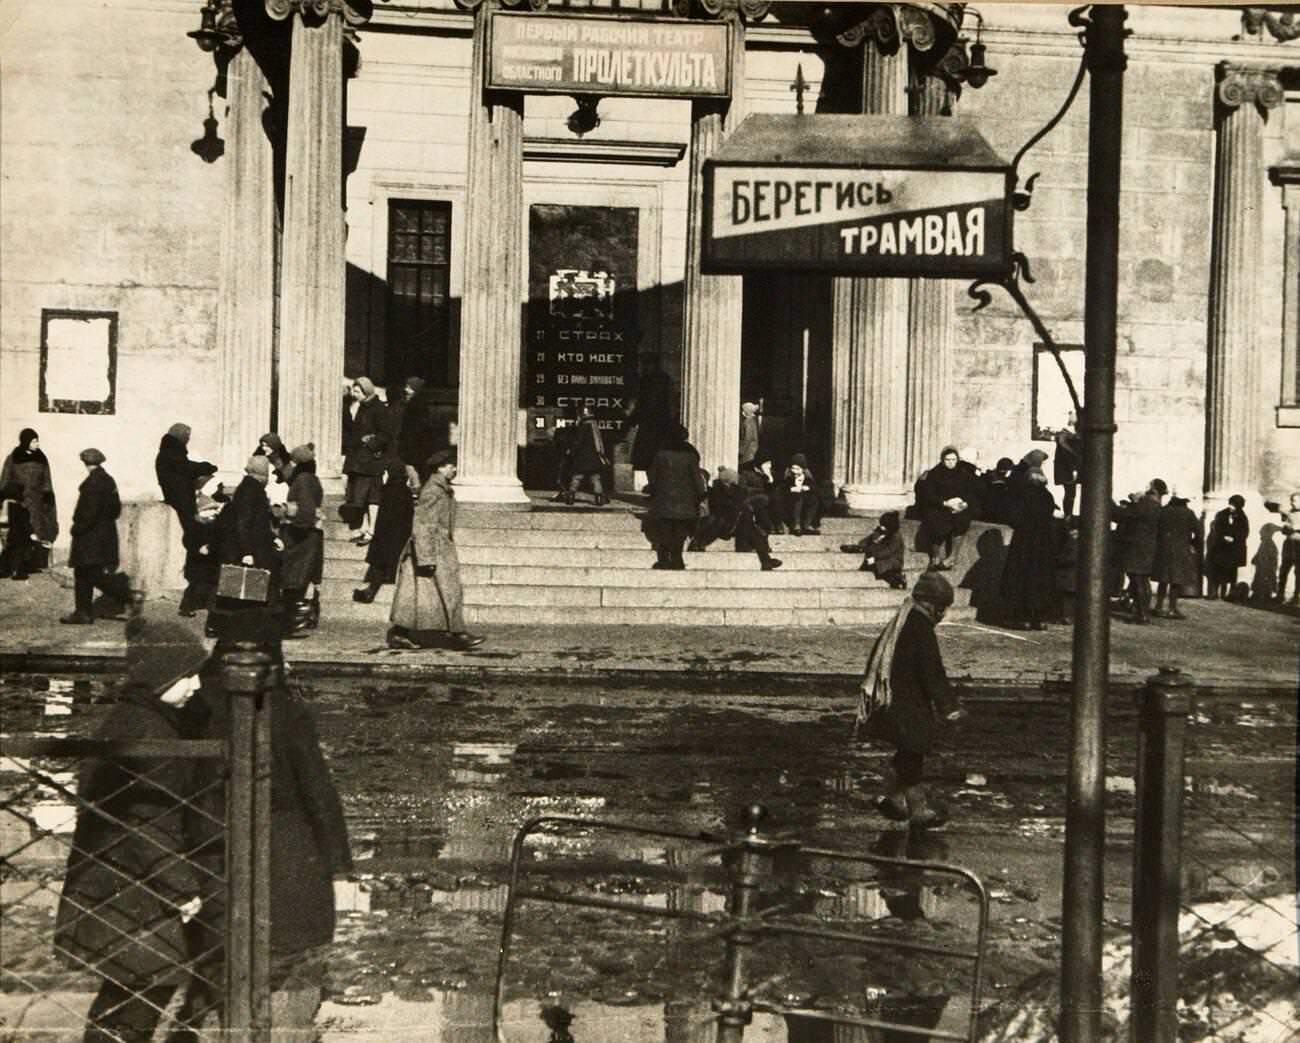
pixel 133 880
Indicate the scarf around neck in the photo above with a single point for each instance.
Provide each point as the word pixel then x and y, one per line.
pixel 876 692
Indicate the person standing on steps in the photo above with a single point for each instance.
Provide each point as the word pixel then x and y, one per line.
pixel 586 458
pixel 1140 518
pixel 1065 463
pixel 1290 520
pixel 651 413
pixel 676 490
pixel 1179 535
pixel 95 554
pixel 363 420
pixel 428 604
pixel 179 479
pixel 302 566
pixel 27 465
pixel 1028 583
pixel 905 694
pixel 392 530
pixel 1225 551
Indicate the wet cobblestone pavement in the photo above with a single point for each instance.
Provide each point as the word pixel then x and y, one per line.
pixel 436 778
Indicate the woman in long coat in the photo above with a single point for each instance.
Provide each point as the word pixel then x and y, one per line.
pixel 1179 535
pixel 362 462
pixel 1225 550
pixel 1029 575
pixel 946 497
pixel 392 530
pixel 676 489
pixel 133 879
pixel 304 544
pixel 28 465
pixel 428 604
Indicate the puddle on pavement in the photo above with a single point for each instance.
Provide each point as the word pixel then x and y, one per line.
pixel 436 778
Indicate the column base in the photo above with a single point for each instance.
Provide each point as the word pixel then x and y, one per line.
pixel 500 491
pixel 866 499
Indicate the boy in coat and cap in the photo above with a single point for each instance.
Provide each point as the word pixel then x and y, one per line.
pixel 905 694
pixel 94 556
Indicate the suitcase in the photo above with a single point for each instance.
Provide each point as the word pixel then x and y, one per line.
pixel 243 583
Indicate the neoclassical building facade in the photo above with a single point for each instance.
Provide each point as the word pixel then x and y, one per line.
pixel 322 189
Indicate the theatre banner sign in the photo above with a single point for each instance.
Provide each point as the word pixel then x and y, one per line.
pixel 565 54
pixel 858 195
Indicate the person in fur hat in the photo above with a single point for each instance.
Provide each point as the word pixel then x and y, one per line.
pixel 904 696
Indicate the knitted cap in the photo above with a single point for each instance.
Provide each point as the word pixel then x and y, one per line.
pixel 441 457
pixel 92 456
pixel 258 466
pixel 159 652
pixel 304 454
pixel 799 460
pixel 933 588
pixel 179 431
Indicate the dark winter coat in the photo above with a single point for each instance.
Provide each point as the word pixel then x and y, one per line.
pixel 726 501
pixel 309 838
pixel 177 477
pixel 32 469
pixel 126 874
pixel 885 549
pixel 1028 585
pixel 358 456
pixel 587 451
pixel 921 692
pixel 936 486
pixel 245 527
pixel 676 485
pixel 304 546
pixel 1226 548
pixel 420 434
pixel 652 416
pixel 1179 535
pixel 1138 522
pixel 1065 462
pixel 94 521
pixel 393 524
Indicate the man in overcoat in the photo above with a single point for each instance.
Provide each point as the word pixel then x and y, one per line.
pixel 428 604
pixel 1140 518
pixel 676 489
pixel 95 555
pixel 1179 537
pixel 179 479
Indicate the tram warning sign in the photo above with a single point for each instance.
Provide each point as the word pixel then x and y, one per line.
pixel 857 195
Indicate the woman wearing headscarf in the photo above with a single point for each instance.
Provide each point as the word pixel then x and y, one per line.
pixel 304 546
pixel 676 490
pixel 946 496
pixel 27 464
pixel 1029 574
pixel 134 882
pixel 94 556
pixel 1225 550
pixel 904 695
pixel 363 466
pixel 246 535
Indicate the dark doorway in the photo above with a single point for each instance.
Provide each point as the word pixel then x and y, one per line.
pixel 419 301
pixel 786 364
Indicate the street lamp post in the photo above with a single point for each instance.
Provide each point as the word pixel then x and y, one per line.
pixel 1084 882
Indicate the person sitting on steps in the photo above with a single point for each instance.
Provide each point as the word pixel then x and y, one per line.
pixel 882 551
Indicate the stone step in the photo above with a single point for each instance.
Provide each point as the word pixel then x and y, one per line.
pixel 481 615
pixel 575 518
pixel 698 574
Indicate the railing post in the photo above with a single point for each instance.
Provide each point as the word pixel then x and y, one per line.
pixel 1163 705
pixel 735 1010
pixel 245 676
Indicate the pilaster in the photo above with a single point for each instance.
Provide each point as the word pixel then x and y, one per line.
pixel 931 316
pixel 712 303
pixel 245 293
pixel 1234 416
pixel 492 331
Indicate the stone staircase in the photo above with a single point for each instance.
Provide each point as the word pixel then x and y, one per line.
pixel 592 566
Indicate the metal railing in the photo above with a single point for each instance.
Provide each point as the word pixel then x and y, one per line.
pixel 747 859
pixel 155 854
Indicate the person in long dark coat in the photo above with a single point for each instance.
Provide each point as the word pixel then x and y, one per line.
pixel 730 516
pixel 1225 550
pixel 676 489
pixel 246 535
pixel 16 558
pixel 1065 463
pixel 309 844
pixel 27 464
pixel 1140 518
pixel 947 497
pixel 1028 585
pixel 301 567
pixel 133 882
pixel 95 554
pixel 905 694
pixel 363 466
pixel 179 479
pixel 586 458
pixel 651 414
pixel 1179 537
pixel 392 530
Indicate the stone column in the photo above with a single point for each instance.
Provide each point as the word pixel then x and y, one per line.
pixel 245 292
pixel 1233 411
pixel 869 344
pixel 310 385
pixel 931 314
pixel 491 323
pixel 713 303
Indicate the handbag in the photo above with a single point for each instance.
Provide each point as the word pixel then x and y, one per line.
pixel 244 583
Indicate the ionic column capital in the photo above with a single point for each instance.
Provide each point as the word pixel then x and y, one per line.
pixel 354 12
pixel 744 10
pixel 1248 84
pixel 890 26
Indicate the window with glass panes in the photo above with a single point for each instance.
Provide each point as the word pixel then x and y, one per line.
pixel 419 306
